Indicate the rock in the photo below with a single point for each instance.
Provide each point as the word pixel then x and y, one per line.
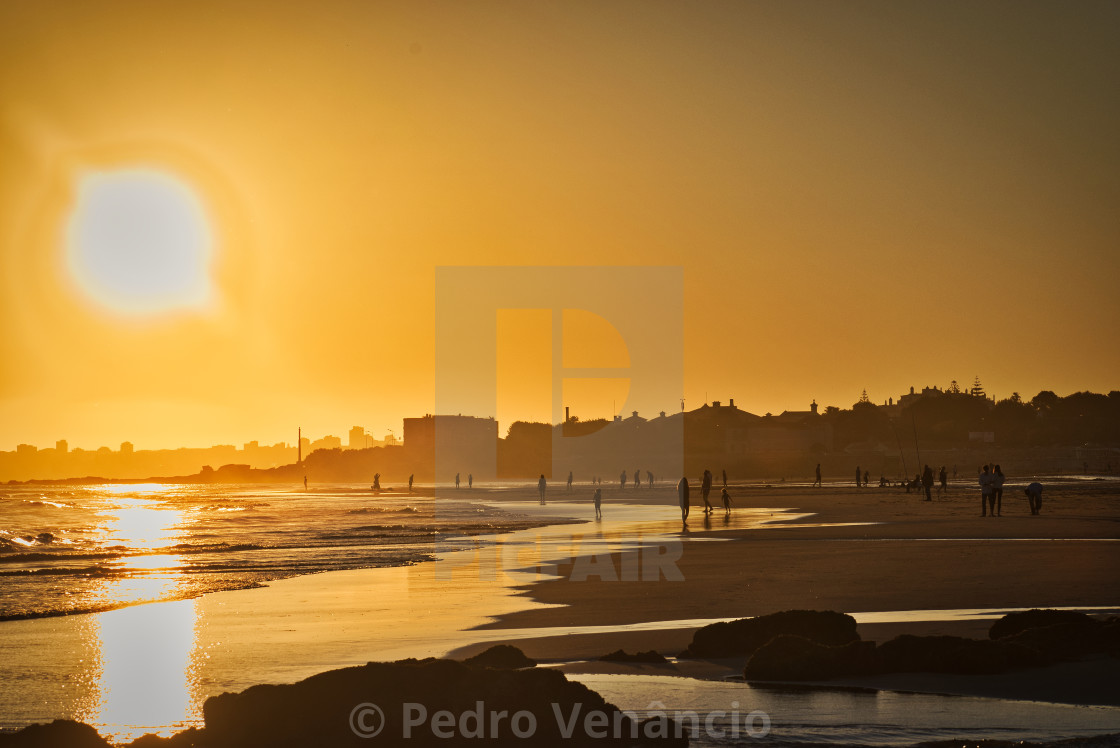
pixel 745 636
pixel 61 732
pixel 186 739
pixel 1014 623
pixel 953 654
pixel 319 710
pixel 620 655
pixel 501 657
pixel 798 658
pixel 1069 641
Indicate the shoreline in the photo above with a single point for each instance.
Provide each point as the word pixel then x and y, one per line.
pixel 328 621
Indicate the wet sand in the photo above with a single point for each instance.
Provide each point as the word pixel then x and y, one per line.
pixel 914 555
pixel 856 551
pixel 875 550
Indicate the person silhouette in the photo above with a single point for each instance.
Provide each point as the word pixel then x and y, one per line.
pixel 726 501
pixel 376 482
pixel 470 480
pixel 410 482
pixel 997 489
pixel 705 489
pixel 1034 496
pixel 598 503
pixel 724 479
pixel 817 482
pixel 986 488
pixel 305 483
pixel 858 475
pixel 569 481
pixel 456 480
pixel 682 498
pixel 637 479
pixel 943 478
pixel 541 486
pixel 622 479
pixel 866 478
pixel 649 479
pixel 927 481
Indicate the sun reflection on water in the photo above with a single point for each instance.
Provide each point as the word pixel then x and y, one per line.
pixel 142 523
pixel 148 672
pixel 143 677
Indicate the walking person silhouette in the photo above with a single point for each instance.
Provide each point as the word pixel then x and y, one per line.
pixel 682 498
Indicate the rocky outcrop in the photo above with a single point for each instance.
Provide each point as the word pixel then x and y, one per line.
pixel 1014 623
pixel 318 710
pixel 798 658
pixel 1071 640
pixel 501 657
pixel 620 655
pixel 415 703
pixel 746 636
pixel 953 654
pixel 61 732
pixel 1056 636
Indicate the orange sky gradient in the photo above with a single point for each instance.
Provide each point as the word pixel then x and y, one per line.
pixel 860 194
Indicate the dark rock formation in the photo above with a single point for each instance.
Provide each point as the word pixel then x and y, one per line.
pixel 501 657
pixel 61 732
pixel 1019 640
pixel 1014 623
pixel 620 655
pixel 953 654
pixel 744 637
pixel 798 658
pixel 1069 641
pixel 460 706
pixel 317 711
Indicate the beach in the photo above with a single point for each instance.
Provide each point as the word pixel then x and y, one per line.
pixel 566 594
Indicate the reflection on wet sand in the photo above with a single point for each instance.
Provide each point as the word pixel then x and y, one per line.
pixel 145 669
pixel 148 670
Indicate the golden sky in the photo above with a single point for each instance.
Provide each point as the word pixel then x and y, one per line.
pixel 860 195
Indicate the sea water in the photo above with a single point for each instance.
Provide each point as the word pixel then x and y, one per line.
pixel 795 716
pixel 81 549
pixel 71 549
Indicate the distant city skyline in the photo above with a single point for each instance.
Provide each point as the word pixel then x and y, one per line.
pixel 345 438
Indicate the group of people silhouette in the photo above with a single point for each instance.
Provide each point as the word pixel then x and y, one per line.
pixel 684 492
pixel 991 486
pixel 991 491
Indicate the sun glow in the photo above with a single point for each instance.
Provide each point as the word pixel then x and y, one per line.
pixel 139 242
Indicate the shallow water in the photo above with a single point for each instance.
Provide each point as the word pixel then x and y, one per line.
pixel 149 668
pixel 797 716
pixel 75 549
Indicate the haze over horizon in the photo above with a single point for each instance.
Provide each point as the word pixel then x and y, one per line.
pixel 861 195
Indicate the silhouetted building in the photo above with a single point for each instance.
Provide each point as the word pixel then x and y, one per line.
pixel 327 442
pixel 358 439
pixel 444 445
